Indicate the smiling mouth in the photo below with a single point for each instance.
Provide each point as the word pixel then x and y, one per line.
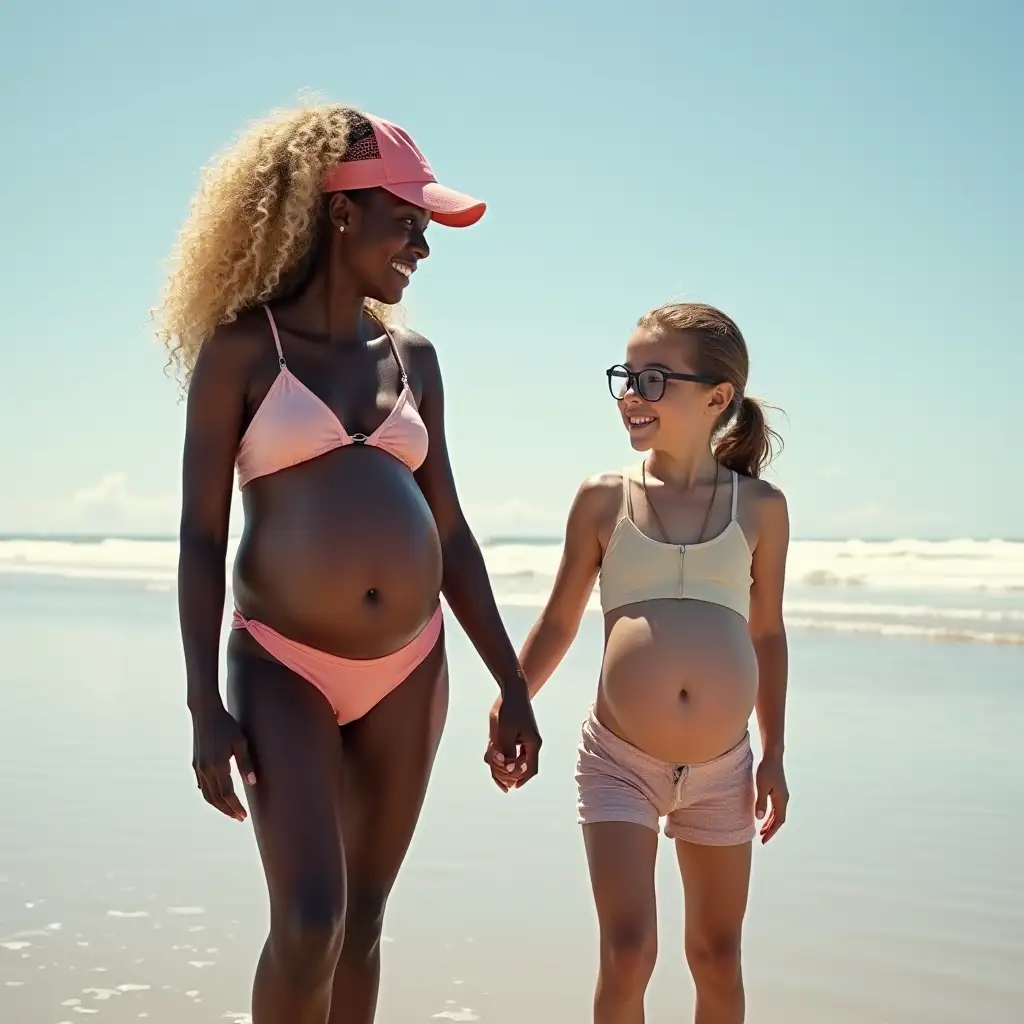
pixel 404 269
pixel 639 422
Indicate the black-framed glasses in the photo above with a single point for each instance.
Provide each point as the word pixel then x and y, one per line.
pixel 649 384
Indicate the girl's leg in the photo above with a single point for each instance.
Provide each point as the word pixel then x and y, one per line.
pixel 389 754
pixel 297 754
pixel 716 880
pixel 622 855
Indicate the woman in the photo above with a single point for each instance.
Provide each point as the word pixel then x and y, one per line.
pixel 299 240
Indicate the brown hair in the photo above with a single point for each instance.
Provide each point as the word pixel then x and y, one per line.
pixel 741 439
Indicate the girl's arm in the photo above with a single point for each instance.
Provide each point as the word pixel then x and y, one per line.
pixel 556 628
pixel 768 633
pixel 558 623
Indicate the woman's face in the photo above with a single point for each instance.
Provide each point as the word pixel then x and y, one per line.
pixel 382 242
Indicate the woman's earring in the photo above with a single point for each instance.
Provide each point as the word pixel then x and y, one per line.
pixel 341 228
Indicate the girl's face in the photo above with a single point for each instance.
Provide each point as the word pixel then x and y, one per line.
pixel 382 243
pixel 663 400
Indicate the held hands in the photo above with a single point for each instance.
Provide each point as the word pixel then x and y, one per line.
pixel 216 738
pixel 514 743
pixel 770 782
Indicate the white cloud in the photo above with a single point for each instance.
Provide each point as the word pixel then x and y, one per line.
pixel 513 517
pixel 868 514
pixel 881 519
pixel 110 506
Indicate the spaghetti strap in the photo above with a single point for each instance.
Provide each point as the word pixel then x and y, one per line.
pixel 627 494
pixel 735 491
pixel 394 348
pixel 277 337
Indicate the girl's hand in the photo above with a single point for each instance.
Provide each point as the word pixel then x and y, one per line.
pixel 501 777
pixel 770 782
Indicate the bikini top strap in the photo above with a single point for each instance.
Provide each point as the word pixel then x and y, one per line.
pixel 277 337
pixel 735 492
pixel 627 493
pixel 394 348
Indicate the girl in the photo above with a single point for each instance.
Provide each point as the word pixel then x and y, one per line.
pixel 301 237
pixel 690 548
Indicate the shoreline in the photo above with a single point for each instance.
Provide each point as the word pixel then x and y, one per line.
pixel 891 894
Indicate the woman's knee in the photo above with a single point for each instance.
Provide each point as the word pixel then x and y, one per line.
pixel 308 931
pixel 364 922
pixel 714 960
pixel 629 950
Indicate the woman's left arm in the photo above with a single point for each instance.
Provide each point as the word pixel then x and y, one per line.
pixel 768 633
pixel 465 583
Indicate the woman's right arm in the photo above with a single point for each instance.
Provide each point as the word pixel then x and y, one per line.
pixel 216 404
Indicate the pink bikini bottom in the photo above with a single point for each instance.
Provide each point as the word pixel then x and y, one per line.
pixel 352 686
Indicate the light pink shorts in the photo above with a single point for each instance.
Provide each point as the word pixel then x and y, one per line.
pixel 710 804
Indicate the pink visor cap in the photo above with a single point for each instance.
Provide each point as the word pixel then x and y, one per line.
pixel 392 161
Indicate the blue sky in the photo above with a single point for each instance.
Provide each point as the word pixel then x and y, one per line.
pixel 846 182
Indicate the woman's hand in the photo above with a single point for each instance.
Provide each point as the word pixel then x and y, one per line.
pixel 216 738
pixel 513 748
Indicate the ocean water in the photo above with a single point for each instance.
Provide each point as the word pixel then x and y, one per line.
pixel 957 590
pixel 892 895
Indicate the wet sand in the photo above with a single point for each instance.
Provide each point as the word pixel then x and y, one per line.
pixel 892 895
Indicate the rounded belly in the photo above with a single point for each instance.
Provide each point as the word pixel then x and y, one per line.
pixel 340 553
pixel 679 678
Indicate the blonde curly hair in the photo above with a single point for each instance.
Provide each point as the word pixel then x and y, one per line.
pixel 252 225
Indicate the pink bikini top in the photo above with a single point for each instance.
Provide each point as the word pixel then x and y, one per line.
pixel 293 425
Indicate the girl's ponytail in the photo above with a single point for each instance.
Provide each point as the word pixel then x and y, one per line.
pixel 741 439
pixel 748 443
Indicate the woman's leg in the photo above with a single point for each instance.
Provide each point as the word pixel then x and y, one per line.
pixel 297 752
pixel 389 754
pixel 622 855
pixel 716 880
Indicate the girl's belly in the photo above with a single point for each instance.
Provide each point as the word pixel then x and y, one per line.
pixel 679 678
pixel 340 553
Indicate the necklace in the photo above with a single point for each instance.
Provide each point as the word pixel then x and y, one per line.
pixel 654 511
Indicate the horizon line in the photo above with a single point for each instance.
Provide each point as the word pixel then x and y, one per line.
pixel 534 539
